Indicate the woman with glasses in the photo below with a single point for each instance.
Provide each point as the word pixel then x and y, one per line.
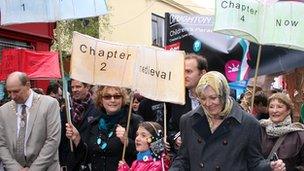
pixel 102 145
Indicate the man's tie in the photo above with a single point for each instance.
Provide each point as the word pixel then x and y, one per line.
pixel 21 137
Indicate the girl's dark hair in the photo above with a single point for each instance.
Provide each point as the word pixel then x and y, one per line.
pixel 152 127
pixel 138 97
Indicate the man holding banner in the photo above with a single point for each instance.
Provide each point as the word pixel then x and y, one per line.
pixel 82 104
pixel 82 112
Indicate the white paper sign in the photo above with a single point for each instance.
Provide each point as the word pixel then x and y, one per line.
pixel 102 63
pixel 160 75
pixel 155 73
pixel 29 11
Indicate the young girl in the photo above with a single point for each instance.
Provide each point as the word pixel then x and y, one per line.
pixel 150 146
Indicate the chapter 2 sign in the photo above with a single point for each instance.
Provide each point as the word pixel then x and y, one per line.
pixel 156 73
pixel 105 54
pixel 100 62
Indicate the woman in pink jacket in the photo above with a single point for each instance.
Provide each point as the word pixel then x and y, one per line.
pixel 150 146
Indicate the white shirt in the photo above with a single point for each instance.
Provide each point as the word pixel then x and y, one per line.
pixel 194 100
pixel 28 104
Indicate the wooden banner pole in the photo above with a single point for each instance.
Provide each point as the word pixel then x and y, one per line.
pixel 64 87
pixel 255 77
pixel 128 127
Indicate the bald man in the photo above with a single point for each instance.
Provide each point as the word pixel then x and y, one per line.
pixel 29 128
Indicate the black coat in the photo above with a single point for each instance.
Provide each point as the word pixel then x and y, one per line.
pixel 91 113
pixel 235 144
pixel 65 156
pixel 176 111
pixel 153 111
pixel 107 160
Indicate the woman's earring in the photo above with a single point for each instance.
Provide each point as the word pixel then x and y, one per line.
pixel 149 140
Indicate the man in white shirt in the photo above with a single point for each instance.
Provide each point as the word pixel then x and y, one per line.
pixel 195 67
pixel 29 128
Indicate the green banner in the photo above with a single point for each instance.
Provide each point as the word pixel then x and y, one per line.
pixel 277 23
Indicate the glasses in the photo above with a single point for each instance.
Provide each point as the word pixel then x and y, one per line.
pixel 109 97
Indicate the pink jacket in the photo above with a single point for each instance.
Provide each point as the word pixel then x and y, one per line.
pixel 149 165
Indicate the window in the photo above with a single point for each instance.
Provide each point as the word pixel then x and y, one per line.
pixel 158 30
pixel 4 44
pixel 7 43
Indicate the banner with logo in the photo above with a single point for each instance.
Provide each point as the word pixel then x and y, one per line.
pixel 193 33
pixel 234 57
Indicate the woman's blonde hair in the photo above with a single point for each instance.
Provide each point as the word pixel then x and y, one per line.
pixel 283 98
pixel 100 92
pixel 219 84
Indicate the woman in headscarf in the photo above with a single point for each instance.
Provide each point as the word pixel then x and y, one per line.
pixel 102 145
pixel 219 135
pixel 279 129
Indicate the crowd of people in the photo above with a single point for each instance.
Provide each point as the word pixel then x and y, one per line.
pixel 211 131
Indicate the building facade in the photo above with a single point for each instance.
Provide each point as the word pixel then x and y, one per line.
pixel 38 36
pixel 142 22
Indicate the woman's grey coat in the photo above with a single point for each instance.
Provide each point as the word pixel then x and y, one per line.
pixel 234 146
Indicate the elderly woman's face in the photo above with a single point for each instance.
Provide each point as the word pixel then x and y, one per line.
pixel 211 101
pixel 112 100
pixel 278 111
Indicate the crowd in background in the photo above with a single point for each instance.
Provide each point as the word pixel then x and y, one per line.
pixel 209 118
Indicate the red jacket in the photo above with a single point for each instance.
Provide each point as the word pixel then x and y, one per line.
pixel 148 165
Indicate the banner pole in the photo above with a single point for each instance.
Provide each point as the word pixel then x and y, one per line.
pixel 255 77
pixel 128 127
pixel 64 86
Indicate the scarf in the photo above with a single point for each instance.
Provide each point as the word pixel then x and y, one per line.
pixel 144 156
pixel 219 84
pixel 282 128
pixel 79 107
pixel 108 122
pixel 106 127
